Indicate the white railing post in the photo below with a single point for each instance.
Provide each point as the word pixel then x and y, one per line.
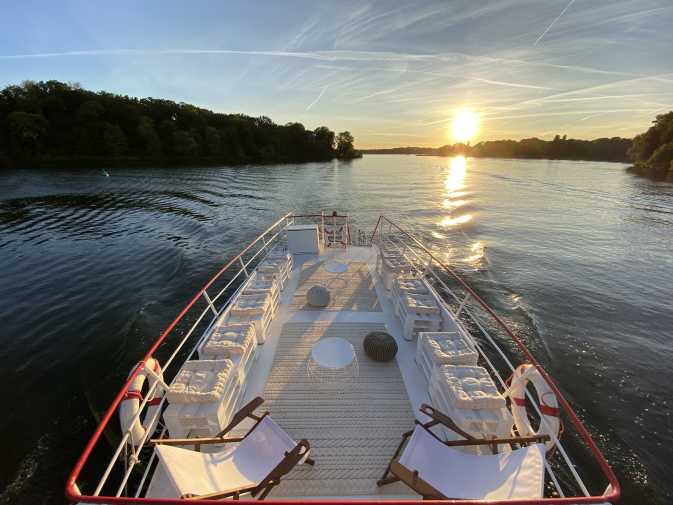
pixel 240 259
pixel 156 377
pixel 209 302
pixel 462 304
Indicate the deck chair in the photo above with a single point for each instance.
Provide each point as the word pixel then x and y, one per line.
pixel 436 471
pixel 253 464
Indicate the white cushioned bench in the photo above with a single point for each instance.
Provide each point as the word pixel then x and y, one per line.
pixel 202 398
pixel 443 348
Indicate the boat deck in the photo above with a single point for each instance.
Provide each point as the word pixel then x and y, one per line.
pixel 353 425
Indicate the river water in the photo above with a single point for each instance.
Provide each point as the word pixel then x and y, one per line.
pixel 576 255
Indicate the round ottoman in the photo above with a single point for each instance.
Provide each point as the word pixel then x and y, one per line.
pixel 318 296
pixel 380 346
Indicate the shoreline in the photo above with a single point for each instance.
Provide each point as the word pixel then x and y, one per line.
pixel 140 163
pixel 497 157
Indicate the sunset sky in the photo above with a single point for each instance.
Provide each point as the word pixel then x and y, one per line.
pixel 393 73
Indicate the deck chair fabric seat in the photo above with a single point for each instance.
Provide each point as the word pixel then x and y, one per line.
pixel 245 466
pixel 518 474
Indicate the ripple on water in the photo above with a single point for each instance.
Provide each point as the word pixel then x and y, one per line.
pixel 574 256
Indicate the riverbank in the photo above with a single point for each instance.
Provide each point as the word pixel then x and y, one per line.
pixel 560 148
pixel 657 173
pixel 50 124
pixel 84 163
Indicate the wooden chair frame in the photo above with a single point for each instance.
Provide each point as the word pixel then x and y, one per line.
pixel 291 459
pixel 411 478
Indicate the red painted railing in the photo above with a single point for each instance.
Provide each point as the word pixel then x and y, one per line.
pixel 73 493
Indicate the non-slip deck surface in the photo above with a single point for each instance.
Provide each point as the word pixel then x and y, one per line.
pixel 352 290
pixel 353 426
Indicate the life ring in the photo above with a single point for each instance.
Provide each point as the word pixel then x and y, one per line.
pixel 130 404
pixel 550 424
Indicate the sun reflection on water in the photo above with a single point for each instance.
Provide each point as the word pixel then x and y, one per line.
pixel 454 184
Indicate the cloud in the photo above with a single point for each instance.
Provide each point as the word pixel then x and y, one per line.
pixel 553 22
pixel 317 99
pixel 324 56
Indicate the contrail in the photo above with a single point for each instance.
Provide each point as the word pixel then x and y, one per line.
pixel 554 22
pixel 308 108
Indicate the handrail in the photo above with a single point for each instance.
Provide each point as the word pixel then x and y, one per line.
pixel 577 423
pixel 74 494
pixel 72 491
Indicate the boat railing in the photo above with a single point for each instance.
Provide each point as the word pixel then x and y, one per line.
pixel 492 334
pixel 124 475
pixel 177 343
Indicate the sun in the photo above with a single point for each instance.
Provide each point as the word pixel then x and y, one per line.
pixel 464 125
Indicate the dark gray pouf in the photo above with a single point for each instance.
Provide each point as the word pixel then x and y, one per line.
pixel 380 346
pixel 318 296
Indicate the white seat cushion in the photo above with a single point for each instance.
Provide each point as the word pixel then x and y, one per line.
pixel 518 474
pixel 410 285
pixel 468 387
pixel 198 473
pixel 203 381
pixel 261 284
pixel 448 348
pixel 419 304
pixel 230 340
pixel 251 304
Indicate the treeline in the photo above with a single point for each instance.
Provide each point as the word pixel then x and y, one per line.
pixel 652 151
pixel 562 148
pixel 52 124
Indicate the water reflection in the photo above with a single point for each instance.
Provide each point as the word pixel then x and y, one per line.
pixel 477 252
pixel 454 185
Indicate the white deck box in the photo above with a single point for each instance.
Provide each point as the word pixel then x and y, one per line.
pixel 303 239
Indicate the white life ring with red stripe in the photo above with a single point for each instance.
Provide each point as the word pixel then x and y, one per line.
pixel 130 404
pixel 550 424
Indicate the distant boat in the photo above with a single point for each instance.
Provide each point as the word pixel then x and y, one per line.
pixel 105 173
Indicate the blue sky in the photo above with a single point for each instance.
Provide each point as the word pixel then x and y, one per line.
pixel 393 73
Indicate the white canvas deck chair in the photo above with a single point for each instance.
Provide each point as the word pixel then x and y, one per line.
pixel 253 464
pixel 436 471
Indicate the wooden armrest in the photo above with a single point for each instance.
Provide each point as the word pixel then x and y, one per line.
pixel 246 411
pixel 414 481
pixel 193 441
pixel 220 494
pixel 443 419
pixel 496 441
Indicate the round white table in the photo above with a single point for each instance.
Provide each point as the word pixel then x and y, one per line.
pixel 336 267
pixel 332 359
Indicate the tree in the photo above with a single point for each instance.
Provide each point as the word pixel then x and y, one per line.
pixel 62 122
pixel 89 111
pixel 184 144
pixel 213 141
pixel 345 147
pixel 114 140
pixel 149 139
pixel 324 139
pixel 27 131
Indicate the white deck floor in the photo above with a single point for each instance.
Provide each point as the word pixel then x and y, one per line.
pixel 344 468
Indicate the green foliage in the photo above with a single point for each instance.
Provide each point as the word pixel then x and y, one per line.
pixel 43 121
pixel 26 131
pixel 345 149
pixel 652 151
pixel 604 149
pixel 114 141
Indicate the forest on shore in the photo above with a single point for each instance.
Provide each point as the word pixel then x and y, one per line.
pixel 561 147
pixel 54 124
pixel 652 151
